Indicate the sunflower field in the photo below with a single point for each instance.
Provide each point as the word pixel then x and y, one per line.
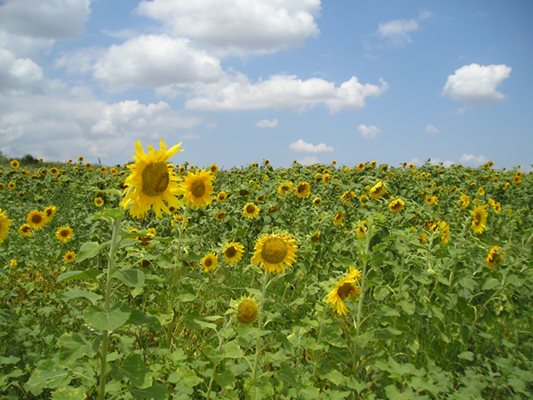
pixel 164 280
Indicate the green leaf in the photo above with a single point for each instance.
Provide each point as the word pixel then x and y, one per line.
pixel 132 277
pixel 490 284
pixel 85 294
pixel 137 317
pixel 408 307
pixel 47 374
pixel 225 378
pixel 69 393
pixel 232 350
pixel 466 355
pixel 157 391
pixel 335 377
pixel 89 274
pixel 187 297
pixel 109 320
pixel 88 250
pixel 135 370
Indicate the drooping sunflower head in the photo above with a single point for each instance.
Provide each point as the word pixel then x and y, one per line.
pixel 363 199
pixel 25 230
pixel 346 288
pixel 396 205
pixel 378 190
pixel 36 219
pixel 494 257
pixel 64 234
pixel 250 210
pixel 274 252
pixel 209 262
pixel 233 252
pixel 361 228
pixel 197 188
pixel 150 184
pixel 247 311
pixel 479 219
pixel 5 223
pixel 50 212
pixel 339 218
pixel 69 257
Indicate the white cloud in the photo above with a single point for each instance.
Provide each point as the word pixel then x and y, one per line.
pixel 284 92
pixel 432 161
pixel 303 147
pixel 79 61
pixel 431 129
pixel 153 61
pixel 368 131
pixel 16 73
pixel 472 159
pixel 63 125
pixel 477 83
pixel 397 32
pixel 56 19
pixel 236 26
pixel 265 123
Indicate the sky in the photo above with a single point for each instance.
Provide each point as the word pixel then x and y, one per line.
pixel 241 81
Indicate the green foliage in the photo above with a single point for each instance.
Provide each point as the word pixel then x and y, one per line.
pixel 135 316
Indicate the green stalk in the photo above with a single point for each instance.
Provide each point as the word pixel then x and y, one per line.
pixel 260 325
pixel 115 238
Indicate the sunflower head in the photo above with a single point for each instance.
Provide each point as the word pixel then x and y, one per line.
pixel 150 184
pixel 209 262
pixel 250 210
pixel 197 188
pixel 247 311
pixel 284 188
pixel 378 190
pixel 50 212
pixel 494 257
pixel 274 252
pixel 64 234
pixel 396 205
pixel 36 219
pixel 346 288
pixel 98 201
pixel 14 164
pixel 233 252
pixel 5 223
pixel 479 219
pixel 69 257
pixel 25 230
pixel 303 190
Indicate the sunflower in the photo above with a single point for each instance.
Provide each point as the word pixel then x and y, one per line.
pixel 14 164
pixel 5 222
pixel 397 205
pixel 326 178
pixel 284 188
pixel 197 188
pixel 378 190
pixel 247 311
pixel 317 201
pixel 465 200
pixel 13 263
pixel 64 234
pixel 432 200
pixel 50 212
pixel 444 229
pixel 220 216
pixel 233 252
pixel 209 262
pixel 346 288
pixel 222 196
pixel 69 257
pixel 361 228
pixel 479 219
pixel 346 197
pixel 303 190
pixel 99 202
pixel 213 168
pixel 25 230
pixel 36 219
pixel 315 237
pixel 339 218
pixel 250 210
pixel 274 252
pixel 11 185
pixel 150 184
pixel 54 171
pixel 494 257
pixel 363 199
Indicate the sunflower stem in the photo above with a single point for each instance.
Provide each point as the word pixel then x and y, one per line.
pixel 260 325
pixel 115 238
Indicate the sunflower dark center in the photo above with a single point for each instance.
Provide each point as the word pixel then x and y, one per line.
pixel 155 179
pixel 208 262
pixel 274 250
pixel 231 252
pixel 250 209
pixel 198 188
pixel 36 218
pixel 345 290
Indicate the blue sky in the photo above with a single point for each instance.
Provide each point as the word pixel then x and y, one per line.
pixel 241 81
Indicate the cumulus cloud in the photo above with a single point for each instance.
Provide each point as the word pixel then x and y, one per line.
pixel 303 147
pixel 476 83
pixel 283 91
pixel 61 126
pixel 153 61
pixel 237 27
pixel 472 159
pixel 16 73
pixel 266 123
pixel 431 129
pixel 56 19
pixel 368 131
